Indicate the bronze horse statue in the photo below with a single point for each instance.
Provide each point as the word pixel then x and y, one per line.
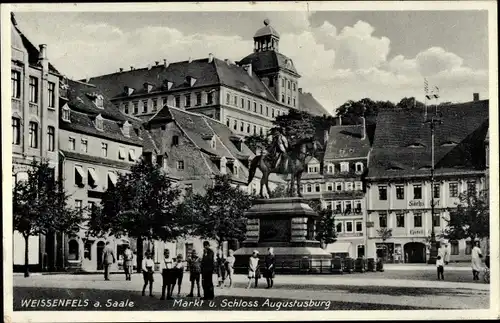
pixel 291 161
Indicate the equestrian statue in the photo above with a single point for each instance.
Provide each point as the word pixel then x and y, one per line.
pixel 282 158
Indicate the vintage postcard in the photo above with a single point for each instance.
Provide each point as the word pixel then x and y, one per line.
pixel 250 161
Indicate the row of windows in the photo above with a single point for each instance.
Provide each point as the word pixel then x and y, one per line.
pixel 84 146
pixel 333 186
pixel 33 134
pixel 417 191
pixel 245 127
pixel 33 89
pixel 146 107
pixel 290 84
pixel 344 167
pixel 401 218
pixel 344 207
pixel 349 226
pixel 91 178
pixel 252 106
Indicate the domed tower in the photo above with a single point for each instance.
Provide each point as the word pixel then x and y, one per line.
pixel 276 70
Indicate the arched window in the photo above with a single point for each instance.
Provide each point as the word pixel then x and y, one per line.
pixel 73 250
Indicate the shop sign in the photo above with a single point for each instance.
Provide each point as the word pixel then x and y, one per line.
pixel 417 232
pixel 416 204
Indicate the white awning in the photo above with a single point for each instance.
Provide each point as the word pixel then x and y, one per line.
pixel 80 171
pixel 339 247
pixel 131 154
pixel 93 174
pixel 112 177
pixel 21 176
pixel 121 153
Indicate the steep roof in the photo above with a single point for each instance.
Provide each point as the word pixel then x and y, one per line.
pixel 267 30
pixel 402 144
pixel 204 73
pixel 347 142
pixel 308 103
pixel 33 52
pixel 78 97
pixel 269 60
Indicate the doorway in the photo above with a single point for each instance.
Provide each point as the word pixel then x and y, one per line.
pixel 415 252
pixel 361 251
pixel 100 249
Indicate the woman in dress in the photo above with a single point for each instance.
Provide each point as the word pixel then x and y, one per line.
pixel 269 271
pixel 253 269
pixel 476 263
pixel 230 267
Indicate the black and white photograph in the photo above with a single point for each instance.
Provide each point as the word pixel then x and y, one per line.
pixel 250 161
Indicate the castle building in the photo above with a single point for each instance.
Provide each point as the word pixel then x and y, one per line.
pixel 399 187
pixel 35 135
pixel 246 95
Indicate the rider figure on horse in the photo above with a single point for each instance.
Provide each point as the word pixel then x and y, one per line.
pixel 278 149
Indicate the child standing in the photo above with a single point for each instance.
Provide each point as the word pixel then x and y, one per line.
pixel 167 275
pixel 440 267
pixel 230 267
pixel 148 268
pixel 194 272
pixel 178 272
pixel 253 269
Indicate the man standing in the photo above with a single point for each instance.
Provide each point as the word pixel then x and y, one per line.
pixel 168 275
pixel 128 255
pixel 108 258
pixel 207 271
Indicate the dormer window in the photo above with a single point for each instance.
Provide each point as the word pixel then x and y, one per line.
pixel 167 84
pixel 66 113
pixel 212 143
pixel 344 167
pixel 148 87
pixel 128 90
pixel 99 123
pixel 190 80
pixel 330 168
pixel 313 169
pixel 223 168
pixel 235 170
pixel 359 167
pixel 99 101
pixel 126 129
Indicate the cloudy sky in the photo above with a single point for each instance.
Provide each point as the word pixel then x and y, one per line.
pixel 383 55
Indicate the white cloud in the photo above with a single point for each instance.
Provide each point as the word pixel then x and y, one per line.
pixel 335 65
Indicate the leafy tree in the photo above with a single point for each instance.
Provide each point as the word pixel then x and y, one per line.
pixel 40 206
pixel 384 233
pixel 410 103
pixel 300 125
pixel 471 219
pixel 219 213
pixel 325 225
pixel 280 191
pixel 144 205
pixel 255 142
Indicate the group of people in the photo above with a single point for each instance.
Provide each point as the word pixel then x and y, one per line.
pixel 254 269
pixel 476 260
pixel 172 272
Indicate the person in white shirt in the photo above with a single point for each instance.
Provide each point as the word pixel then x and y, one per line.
pixel 178 273
pixel 128 255
pixel 148 269
pixel 253 269
pixel 476 262
pixel 230 266
pixel 440 267
pixel 168 275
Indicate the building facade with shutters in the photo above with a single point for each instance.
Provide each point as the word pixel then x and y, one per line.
pixel 399 182
pixel 96 144
pixel 35 111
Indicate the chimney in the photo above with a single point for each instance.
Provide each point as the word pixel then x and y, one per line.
pixel 157 63
pixel 363 124
pixel 210 58
pixel 300 90
pixel 190 60
pixel 121 69
pixel 340 120
pixel 165 63
pixel 149 67
pixel 325 136
pixel 475 96
pixel 131 68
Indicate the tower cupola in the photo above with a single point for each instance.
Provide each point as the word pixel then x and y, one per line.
pixel 266 38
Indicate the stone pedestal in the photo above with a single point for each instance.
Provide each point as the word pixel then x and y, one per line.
pixel 287 225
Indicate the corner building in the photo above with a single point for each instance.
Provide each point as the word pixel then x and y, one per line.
pixel 399 182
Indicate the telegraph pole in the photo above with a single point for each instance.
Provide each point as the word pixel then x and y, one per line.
pixel 434 120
